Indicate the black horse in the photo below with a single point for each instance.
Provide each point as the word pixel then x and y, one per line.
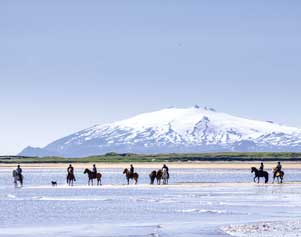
pixel 70 179
pixel 259 173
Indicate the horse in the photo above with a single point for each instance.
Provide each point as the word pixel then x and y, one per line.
pixel 165 176
pixel 156 175
pixel 259 174
pixel 70 179
pixel 278 174
pixel 92 176
pixel 130 175
pixel 18 178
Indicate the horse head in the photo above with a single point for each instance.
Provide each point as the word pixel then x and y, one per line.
pixel 125 171
pixel 160 172
pixel 253 169
pixel 153 173
pixel 86 171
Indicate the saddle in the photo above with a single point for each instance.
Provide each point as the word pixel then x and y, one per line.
pixel 277 173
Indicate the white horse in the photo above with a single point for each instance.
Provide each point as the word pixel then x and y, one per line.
pixel 165 176
pixel 17 178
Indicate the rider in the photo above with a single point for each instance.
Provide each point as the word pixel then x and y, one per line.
pixel 261 167
pixel 94 170
pixel 132 169
pixel 278 168
pixel 19 173
pixel 70 170
pixel 166 168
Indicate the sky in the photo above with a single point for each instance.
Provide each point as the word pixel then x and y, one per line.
pixel 67 65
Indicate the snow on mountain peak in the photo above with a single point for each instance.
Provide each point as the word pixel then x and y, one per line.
pixel 193 129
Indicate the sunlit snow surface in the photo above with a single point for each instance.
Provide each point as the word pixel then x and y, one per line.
pixel 218 206
pixel 175 130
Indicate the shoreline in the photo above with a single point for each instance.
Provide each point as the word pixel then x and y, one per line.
pixel 154 165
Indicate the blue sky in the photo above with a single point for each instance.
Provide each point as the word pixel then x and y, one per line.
pixel 67 65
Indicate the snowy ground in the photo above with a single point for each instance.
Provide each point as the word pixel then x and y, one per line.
pixel 218 206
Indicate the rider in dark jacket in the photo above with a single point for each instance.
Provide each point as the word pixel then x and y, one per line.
pixel 278 167
pixel 19 173
pixel 94 169
pixel 166 168
pixel 70 171
pixel 132 169
pixel 261 167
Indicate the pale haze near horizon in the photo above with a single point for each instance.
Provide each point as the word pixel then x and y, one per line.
pixel 67 65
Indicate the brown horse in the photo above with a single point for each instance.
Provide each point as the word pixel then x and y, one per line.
pixel 92 176
pixel 278 174
pixel 70 179
pixel 130 175
pixel 156 175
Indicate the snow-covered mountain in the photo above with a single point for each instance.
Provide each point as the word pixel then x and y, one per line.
pixel 169 130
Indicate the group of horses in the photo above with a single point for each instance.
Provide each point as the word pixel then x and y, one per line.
pixel 160 175
pixel 264 174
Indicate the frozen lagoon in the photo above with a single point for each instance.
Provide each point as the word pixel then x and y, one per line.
pixel 199 202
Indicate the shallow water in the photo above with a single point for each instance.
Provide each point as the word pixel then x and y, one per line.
pixel 115 209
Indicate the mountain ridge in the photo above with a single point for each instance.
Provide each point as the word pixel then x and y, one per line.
pixel 183 130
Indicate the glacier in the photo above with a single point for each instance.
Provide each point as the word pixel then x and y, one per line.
pixel 170 130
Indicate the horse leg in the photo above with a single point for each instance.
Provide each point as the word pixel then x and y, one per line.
pixel 128 181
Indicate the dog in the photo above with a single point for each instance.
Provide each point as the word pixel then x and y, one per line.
pixel 53 183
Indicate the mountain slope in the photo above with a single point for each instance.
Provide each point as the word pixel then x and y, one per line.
pixel 175 130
